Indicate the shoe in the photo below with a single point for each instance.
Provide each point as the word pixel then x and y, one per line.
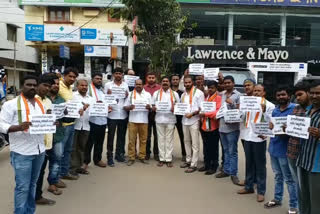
pixel 61 184
pixel 235 180
pixel 160 164
pixel 260 198
pixel 185 165
pixel 245 191
pixel 54 190
pixel 156 157
pixel 293 211
pixel 222 175
pixel 130 162
pixel 70 177
pixel 143 161
pixel 210 172
pixel 110 162
pixel 191 170
pixel 242 183
pixel 147 157
pixel 221 168
pixel 203 169
pixel 101 164
pixel 45 201
pixel 183 159
pixel 120 159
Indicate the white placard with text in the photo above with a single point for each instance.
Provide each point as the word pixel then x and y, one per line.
pixel 43 124
pixel 130 80
pixel 211 74
pixel 119 92
pixel 208 107
pixel 278 123
pixel 73 109
pixel 181 108
pixel 262 129
pixel 196 69
pixel 98 110
pixel 163 107
pixel 250 103
pixel 298 126
pixel 140 105
pixel 58 110
pixel 232 116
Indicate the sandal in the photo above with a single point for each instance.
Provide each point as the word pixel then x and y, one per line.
pixel 191 170
pixel 272 204
pixel 82 171
pixel 160 164
pixel 55 191
pixel 169 164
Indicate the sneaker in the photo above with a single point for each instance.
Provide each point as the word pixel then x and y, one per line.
pixel 293 211
pixel 222 175
pixel 110 162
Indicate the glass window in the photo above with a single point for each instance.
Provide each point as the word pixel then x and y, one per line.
pixel 59 14
pixel 303 31
pixel 254 30
pixel 11 33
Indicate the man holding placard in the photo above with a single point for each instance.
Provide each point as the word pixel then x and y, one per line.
pixel 193 97
pixel 308 160
pixel 118 118
pixel 163 104
pixel 255 145
pixel 98 125
pixel 26 151
pixel 229 130
pixel 139 104
pixel 130 77
pixel 210 129
pixel 278 156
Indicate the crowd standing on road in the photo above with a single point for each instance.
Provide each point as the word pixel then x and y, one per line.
pixel 150 109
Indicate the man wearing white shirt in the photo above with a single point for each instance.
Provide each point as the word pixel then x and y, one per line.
pixel 165 121
pixel 138 121
pixel 27 151
pixel 118 118
pixel 82 129
pixel 191 124
pixel 255 146
pixel 98 125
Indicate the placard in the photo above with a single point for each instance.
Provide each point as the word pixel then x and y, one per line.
pixel 298 126
pixel 196 69
pixel 211 74
pixel 73 109
pixel 140 105
pixel 110 99
pixel 58 110
pixel 208 107
pixel 119 92
pixel 43 124
pixel 221 111
pixel 262 129
pixel 278 123
pixel 98 110
pixel 250 103
pixel 181 108
pixel 163 107
pixel 131 80
pixel 232 116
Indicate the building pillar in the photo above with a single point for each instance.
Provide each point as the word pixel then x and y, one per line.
pixel 283 30
pixel 87 66
pixel 230 29
pixel 130 52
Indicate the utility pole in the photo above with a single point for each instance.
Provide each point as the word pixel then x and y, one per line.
pixel 14 64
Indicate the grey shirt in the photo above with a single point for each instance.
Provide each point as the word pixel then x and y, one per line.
pixel 230 127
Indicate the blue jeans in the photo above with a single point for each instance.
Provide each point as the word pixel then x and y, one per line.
pixel 230 150
pixel 67 149
pixel 280 168
pixel 55 156
pixel 26 170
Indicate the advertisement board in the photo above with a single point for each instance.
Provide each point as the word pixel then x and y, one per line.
pixel 98 51
pixel 75 3
pixel 91 36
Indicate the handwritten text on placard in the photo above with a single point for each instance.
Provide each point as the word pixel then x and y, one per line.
pixel 43 124
pixel 263 129
pixel 58 110
pixel 250 103
pixel 278 123
pixel 298 126
pixel 196 69
pixel 208 107
pixel 232 116
pixel 98 110
pixel 181 108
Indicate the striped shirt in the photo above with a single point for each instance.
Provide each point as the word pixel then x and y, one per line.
pixel 309 157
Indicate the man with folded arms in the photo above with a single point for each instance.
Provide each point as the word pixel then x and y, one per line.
pixel 191 124
pixel 27 151
pixel 165 121
pixel 138 121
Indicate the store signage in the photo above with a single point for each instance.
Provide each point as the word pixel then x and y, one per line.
pixel 74 3
pixel 91 36
pixel 98 51
pixel 64 52
pixel 34 32
pixel 278 67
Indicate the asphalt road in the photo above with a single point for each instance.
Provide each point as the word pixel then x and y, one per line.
pixel 142 189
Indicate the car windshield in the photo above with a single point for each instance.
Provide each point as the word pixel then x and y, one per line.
pixel 239 77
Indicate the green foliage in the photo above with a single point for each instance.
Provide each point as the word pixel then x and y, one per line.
pixel 159 23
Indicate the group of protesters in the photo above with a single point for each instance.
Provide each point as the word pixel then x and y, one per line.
pixel 68 151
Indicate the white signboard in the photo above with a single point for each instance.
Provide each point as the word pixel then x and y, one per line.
pixel 181 108
pixel 119 92
pixel 250 103
pixel 278 123
pixel 298 126
pixel 196 69
pixel 140 105
pixel 58 110
pixel 208 107
pixel 163 107
pixel 102 37
pixel 221 111
pixel 232 116
pixel 61 33
pixel 43 124
pixel 211 73
pixel 73 109
pixel 98 110
pixel 263 129
pixel 131 80
pixel 110 99
pixel 98 51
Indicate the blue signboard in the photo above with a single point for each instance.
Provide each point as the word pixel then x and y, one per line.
pixel 34 32
pixel 286 3
pixel 88 49
pixel 87 33
pixel 64 52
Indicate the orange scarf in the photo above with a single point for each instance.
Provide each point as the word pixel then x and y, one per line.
pixel 95 91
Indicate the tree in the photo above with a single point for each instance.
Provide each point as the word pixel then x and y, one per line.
pixel 159 23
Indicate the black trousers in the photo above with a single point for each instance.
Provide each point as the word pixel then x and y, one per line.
pixel 152 127
pixel 181 136
pixel 96 140
pixel 40 179
pixel 211 149
pixel 121 126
